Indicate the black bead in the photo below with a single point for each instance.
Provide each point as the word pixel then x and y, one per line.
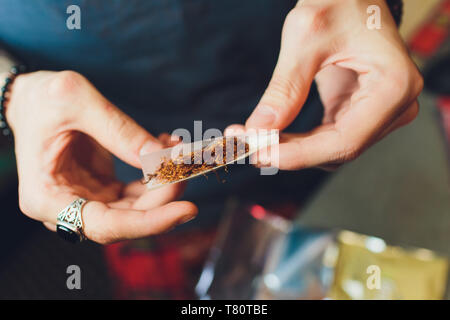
pixel 67 234
pixel 18 70
pixel 5 130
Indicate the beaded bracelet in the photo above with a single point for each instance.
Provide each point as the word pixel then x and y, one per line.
pixel 13 73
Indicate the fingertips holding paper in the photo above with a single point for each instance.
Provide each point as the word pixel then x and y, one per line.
pixel 169 140
pixel 234 130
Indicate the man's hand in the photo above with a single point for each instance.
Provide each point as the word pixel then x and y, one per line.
pixel 64 132
pixel 366 80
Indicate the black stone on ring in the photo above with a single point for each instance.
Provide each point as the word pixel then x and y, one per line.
pixel 67 234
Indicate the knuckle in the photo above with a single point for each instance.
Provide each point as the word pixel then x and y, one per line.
pixel 346 154
pixel 28 205
pixel 407 81
pixel 399 78
pixel 310 19
pixel 418 83
pixel 397 86
pixel 412 114
pixel 282 89
pixel 65 83
pixel 24 206
pixel 118 124
pixel 34 198
pixel 294 19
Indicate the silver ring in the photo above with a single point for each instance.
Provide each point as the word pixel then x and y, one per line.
pixel 69 225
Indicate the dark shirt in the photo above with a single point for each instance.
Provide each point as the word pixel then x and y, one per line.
pixel 164 62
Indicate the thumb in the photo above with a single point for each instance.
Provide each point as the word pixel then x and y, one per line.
pixel 290 83
pixel 116 131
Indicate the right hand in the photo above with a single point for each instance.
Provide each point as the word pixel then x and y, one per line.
pixel 65 132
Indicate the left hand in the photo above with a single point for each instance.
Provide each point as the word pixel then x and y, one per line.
pixel 367 83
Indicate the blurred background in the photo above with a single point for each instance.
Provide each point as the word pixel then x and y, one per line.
pixel 405 201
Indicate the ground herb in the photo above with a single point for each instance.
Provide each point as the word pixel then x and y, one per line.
pixel 183 167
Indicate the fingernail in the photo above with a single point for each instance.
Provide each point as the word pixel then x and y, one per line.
pixel 262 116
pixel 148 147
pixel 186 219
pixel 234 132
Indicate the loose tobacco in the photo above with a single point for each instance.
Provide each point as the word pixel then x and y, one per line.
pixel 200 161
